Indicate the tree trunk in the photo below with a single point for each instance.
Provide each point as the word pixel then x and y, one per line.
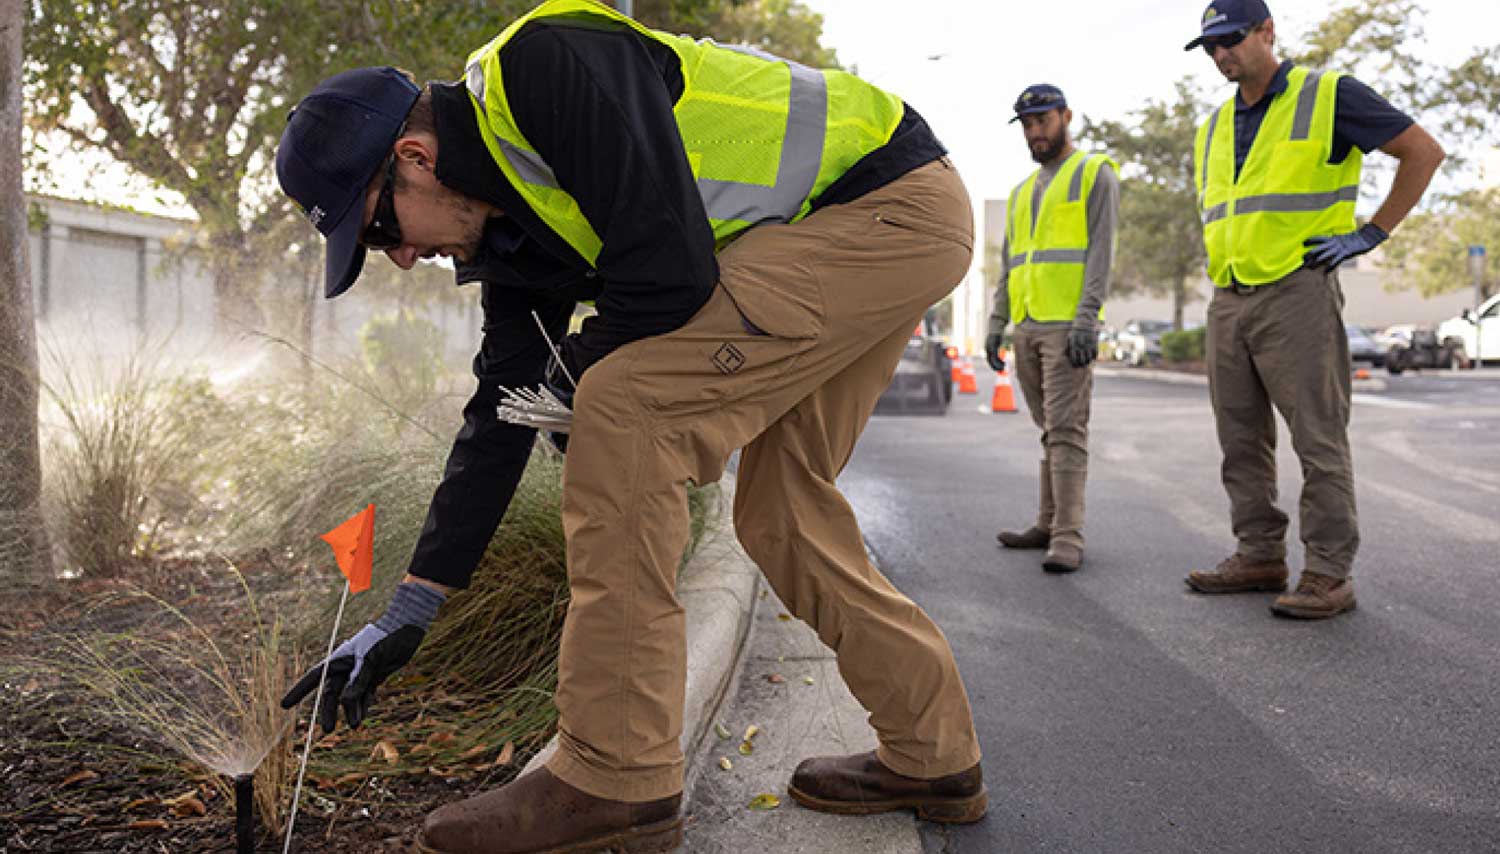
pixel 1179 297
pixel 24 554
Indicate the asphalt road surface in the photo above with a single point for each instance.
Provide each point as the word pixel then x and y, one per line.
pixel 1120 712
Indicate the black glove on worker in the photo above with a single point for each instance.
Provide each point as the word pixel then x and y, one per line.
pixel 992 344
pixel 364 661
pixel 1083 346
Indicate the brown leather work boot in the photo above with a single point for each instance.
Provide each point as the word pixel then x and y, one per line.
pixel 1062 557
pixel 861 785
pixel 1031 538
pixel 540 814
pixel 1317 597
pixel 1234 574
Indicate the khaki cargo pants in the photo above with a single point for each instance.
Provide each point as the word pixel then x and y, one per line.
pixel 1284 346
pixel 1059 397
pixel 786 361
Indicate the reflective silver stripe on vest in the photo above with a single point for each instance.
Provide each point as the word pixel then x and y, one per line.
pixel 528 164
pixel 1051 256
pixel 1296 202
pixel 474 78
pixel 801 154
pixel 1208 145
pixel 1307 101
pixel 1016 261
pixel 1216 213
pixel 1075 189
pixel 796 173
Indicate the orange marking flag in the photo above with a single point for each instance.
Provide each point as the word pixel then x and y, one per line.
pixel 353 545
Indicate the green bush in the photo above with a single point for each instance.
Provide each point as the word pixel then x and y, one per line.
pixel 1185 346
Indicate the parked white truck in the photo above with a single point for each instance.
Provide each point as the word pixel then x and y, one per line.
pixel 1476 331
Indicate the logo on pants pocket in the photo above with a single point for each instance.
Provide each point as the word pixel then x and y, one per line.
pixel 728 359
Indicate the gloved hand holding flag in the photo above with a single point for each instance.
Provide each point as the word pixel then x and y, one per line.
pixel 353 671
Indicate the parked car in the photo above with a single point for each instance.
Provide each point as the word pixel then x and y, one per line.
pixel 1139 341
pixel 1475 334
pixel 1362 348
pixel 1396 333
pixel 923 382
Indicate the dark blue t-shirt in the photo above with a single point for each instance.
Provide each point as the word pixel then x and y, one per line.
pixel 1361 118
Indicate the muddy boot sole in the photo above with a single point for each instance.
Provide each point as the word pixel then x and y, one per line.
pixel 656 838
pixel 942 810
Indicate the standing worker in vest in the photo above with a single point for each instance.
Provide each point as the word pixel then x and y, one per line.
pixel 1277 172
pixel 1054 278
pixel 759 239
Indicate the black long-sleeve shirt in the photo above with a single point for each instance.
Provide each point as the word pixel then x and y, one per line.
pixel 596 104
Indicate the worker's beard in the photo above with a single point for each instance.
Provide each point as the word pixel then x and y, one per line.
pixel 1050 146
pixel 473 219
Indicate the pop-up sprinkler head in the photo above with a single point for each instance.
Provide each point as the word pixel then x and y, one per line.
pixel 244 814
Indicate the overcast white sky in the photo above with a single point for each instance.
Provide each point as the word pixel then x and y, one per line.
pixel 1108 57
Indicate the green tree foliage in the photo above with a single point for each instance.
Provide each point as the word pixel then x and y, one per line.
pixel 1430 250
pixel 1380 41
pixel 193 96
pixel 1160 239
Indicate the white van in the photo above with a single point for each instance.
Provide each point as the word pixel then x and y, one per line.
pixel 1477 331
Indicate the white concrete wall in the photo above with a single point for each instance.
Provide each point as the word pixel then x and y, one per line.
pixel 105 281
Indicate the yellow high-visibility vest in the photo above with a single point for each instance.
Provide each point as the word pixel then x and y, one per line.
pixel 1287 191
pixel 1048 246
pixel 764 136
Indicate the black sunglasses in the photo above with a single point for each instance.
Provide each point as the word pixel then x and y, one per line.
pixel 384 232
pixel 1227 41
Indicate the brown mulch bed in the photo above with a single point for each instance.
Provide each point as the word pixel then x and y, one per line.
pixel 74 785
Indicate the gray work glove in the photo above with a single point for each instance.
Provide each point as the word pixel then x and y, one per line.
pixel 1329 252
pixel 361 663
pixel 1083 346
pixel 992 344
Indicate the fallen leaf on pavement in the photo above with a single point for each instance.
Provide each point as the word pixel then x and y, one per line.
pixel 775 678
pixel 84 776
pixel 746 748
pixel 751 732
pixel 721 731
pixel 725 763
pixel 807 680
pixel 765 802
pixel 784 617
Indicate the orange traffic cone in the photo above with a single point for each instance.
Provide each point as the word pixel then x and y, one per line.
pixel 1004 398
pixel 966 382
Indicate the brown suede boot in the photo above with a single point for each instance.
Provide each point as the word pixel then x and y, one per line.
pixel 1234 574
pixel 540 814
pixel 1040 534
pixel 1031 538
pixel 1317 597
pixel 1065 553
pixel 861 785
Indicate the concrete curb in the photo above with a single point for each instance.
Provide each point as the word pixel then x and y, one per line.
pixel 1374 384
pixel 718 590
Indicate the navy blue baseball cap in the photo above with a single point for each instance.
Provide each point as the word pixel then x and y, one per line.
pixel 1226 16
pixel 334 143
pixel 1039 98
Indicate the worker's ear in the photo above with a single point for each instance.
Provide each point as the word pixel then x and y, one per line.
pixel 417 151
